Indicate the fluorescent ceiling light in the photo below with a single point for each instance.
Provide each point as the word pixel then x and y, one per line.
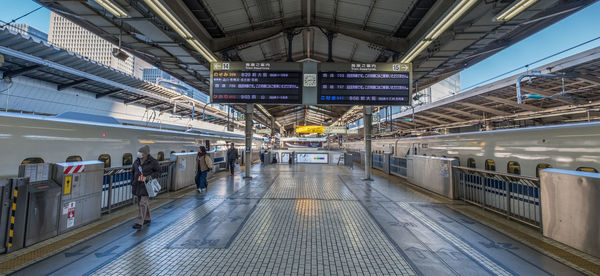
pixel 112 8
pixel 173 22
pixel 514 9
pixel 449 19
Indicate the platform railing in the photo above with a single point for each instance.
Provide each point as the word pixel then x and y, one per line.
pixel 377 161
pixel 514 196
pixel 116 185
pixel 398 166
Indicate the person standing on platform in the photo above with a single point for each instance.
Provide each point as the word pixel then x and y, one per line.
pixel 144 169
pixel 205 164
pixel 232 156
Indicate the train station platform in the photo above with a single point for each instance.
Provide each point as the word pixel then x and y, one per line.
pixel 302 219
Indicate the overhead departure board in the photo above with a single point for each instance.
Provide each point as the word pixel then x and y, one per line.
pixel 364 84
pixel 256 82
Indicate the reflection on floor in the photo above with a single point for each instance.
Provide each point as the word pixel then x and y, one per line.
pixel 303 219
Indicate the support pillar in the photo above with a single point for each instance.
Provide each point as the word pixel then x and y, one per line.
pixel 290 38
pixel 248 150
pixel 368 126
pixel 272 139
pixel 330 46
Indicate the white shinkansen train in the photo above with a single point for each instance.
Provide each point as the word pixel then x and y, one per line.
pixel 35 139
pixel 519 151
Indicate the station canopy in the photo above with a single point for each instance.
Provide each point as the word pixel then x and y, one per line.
pixel 182 37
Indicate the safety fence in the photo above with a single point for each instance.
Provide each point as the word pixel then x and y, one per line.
pixel 378 161
pixel 116 185
pixel 398 166
pixel 517 197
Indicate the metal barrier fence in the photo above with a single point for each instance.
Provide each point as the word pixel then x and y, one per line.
pixel 116 185
pixel 517 197
pixel 378 161
pixel 398 166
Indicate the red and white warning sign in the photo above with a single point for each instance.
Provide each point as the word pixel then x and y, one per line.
pixel 69 209
pixel 74 169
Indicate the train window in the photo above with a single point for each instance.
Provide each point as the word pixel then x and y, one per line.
pixel 540 167
pixel 105 158
pixel 74 158
pixel 490 165
pixel 457 159
pixel 160 156
pixel 32 160
pixel 587 169
pixel 471 163
pixel 513 167
pixel 127 159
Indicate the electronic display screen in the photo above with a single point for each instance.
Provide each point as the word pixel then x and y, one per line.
pixel 251 82
pixel 364 84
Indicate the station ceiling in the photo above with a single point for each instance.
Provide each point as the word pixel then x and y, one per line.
pixel 363 31
pixel 570 92
pixel 26 56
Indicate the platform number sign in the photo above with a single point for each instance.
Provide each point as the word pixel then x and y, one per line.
pixel 225 66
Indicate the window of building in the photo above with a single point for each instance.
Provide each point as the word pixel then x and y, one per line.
pixel 471 163
pixel 105 158
pixel 127 159
pixel 513 167
pixel 540 167
pixel 160 156
pixel 74 158
pixel 183 151
pixel 32 160
pixel 587 169
pixel 490 165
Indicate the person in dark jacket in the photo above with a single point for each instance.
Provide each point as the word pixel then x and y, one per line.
pixel 232 156
pixel 144 168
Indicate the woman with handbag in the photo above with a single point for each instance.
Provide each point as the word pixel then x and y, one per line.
pixel 205 164
pixel 145 168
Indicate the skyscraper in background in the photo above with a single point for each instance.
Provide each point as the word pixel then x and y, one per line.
pixel 70 36
pixel 26 29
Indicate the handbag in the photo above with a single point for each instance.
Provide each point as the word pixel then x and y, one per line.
pixel 152 187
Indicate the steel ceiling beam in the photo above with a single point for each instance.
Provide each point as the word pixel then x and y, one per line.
pixel 484 108
pixel 109 93
pixel 349 30
pixel 70 84
pixel 513 103
pixel 21 71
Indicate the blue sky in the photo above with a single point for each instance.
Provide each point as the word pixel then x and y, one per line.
pixel 575 29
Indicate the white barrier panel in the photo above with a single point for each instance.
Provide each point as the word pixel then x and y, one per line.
pixel 571 209
pixel 432 173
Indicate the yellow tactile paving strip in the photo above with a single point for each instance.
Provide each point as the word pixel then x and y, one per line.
pixel 15 260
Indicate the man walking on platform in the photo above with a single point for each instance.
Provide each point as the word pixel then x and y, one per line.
pixel 232 156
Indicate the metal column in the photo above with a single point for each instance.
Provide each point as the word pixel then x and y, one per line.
pixel 368 121
pixel 248 153
pixel 272 138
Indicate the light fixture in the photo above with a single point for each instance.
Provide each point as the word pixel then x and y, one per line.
pixel 162 11
pixel 514 9
pixel 457 11
pixel 112 7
